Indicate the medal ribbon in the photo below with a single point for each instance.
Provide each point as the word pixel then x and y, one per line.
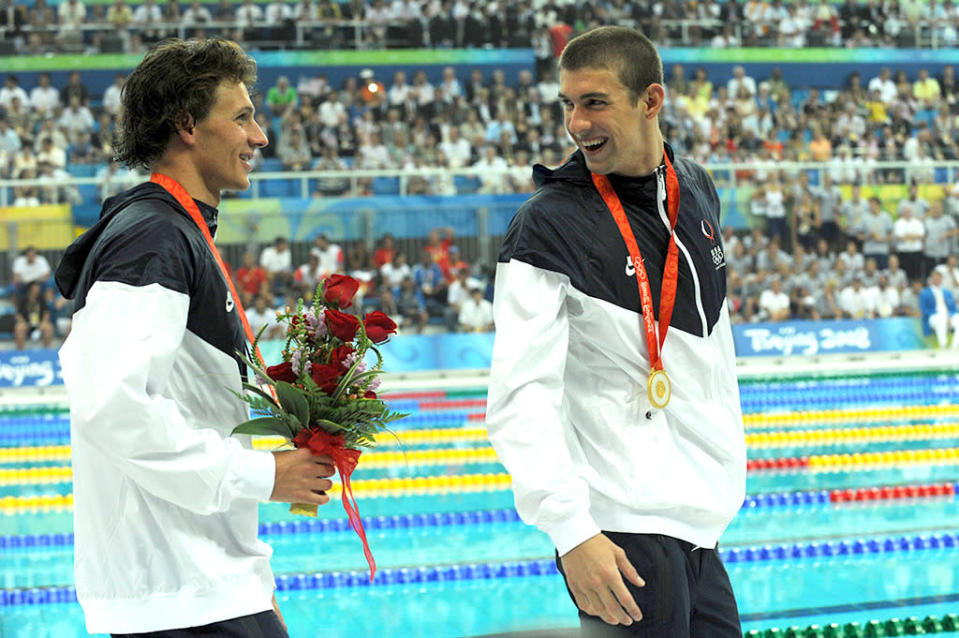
pixel 670 271
pixel 174 188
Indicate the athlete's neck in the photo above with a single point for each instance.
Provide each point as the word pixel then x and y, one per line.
pixel 189 178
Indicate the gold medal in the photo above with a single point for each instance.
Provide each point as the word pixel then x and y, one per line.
pixel 658 389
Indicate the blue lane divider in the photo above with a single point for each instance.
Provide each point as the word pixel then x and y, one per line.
pixel 857 547
pixel 443 519
pixel 536 567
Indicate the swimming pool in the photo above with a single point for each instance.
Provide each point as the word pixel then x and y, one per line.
pixel 851 518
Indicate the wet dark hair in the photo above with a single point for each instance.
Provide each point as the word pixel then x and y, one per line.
pixel 173 87
pixel 626 52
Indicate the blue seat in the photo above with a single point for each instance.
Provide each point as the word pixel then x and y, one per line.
pixel 271 165
pixel 276 188
pixel 386 186
pixel 466 184
pixel 89 192
pixel 82 170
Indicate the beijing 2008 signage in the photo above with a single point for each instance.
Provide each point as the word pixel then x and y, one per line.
pixel 807 338
pixel 29 368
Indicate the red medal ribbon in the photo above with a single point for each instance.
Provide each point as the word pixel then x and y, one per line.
pixel 345 460
pixel 670 271
pixel 174 188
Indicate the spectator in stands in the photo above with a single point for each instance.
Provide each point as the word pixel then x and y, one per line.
pixel 71 14
pixel 458 294
pixel 197 15
pixel 55 189
pixel 908 236
pixel 941 232
pixel 476 313
pixel 394 272
pixel 886 298
pixel 263 318
pixel 294 151
pixel 876 233
pixel 277 260
pixel 10 142
pixel 251 279
pixel 111 97
pixel 885 85
pixel 26 196
pixel 75 87
pixel 807 225
pixel 457 149
pixel 938 308
pixel 281 97
pixel 852 212
pixel 919 205
pixel 44 98
pixel 853 259
pixel 308 275
pixel 493 177
pixel 120 16
pixel 28 268
pixel 33 318
pixel 145 18
pixel 76 119
pixel 246 16
pixel 740 79
pixel 950 273
pixel 855 301
pixel 412 305
pixel 11 89
pixel 773 302
pixel 329 254
pixel 827 302
pixel 926 89
pixel 385 253
pixel 431 283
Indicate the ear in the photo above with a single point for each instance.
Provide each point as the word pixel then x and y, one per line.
pixel 652 100
pixel 186 128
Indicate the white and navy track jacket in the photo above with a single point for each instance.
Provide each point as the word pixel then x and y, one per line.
pixel 568 412
pixel 165 500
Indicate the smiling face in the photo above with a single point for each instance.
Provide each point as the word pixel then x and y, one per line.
pixel 610 126
pixel 224 141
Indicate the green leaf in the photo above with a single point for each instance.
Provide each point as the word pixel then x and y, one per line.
pixel 265 425
pixel 293 402
pixel 259 391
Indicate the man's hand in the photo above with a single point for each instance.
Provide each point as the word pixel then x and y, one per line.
pixel 593 574
pixel 301 477
pixel 276 608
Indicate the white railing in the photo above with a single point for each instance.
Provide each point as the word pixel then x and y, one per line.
pixel 729 175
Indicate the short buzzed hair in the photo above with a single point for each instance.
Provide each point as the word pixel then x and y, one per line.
pixel 626 52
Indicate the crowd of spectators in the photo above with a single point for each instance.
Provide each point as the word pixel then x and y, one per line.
pixel 861 244
pixel 539 24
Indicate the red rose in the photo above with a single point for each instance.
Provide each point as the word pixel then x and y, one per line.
pixel 282 372
pixel 369 395
pixel 340 290
pixel 339 355
pixel 342 325
pixel 379 327
pixel 327 377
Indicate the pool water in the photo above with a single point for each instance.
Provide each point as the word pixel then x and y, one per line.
pixel 850 526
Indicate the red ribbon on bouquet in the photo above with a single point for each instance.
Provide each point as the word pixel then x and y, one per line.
pixel 345 460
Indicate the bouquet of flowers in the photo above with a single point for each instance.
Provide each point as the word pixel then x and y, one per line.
pixel 323 394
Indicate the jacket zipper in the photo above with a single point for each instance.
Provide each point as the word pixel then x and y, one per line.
pixel 660 201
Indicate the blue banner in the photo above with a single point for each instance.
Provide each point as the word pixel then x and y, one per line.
pixel 806 338
pixel 29 368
